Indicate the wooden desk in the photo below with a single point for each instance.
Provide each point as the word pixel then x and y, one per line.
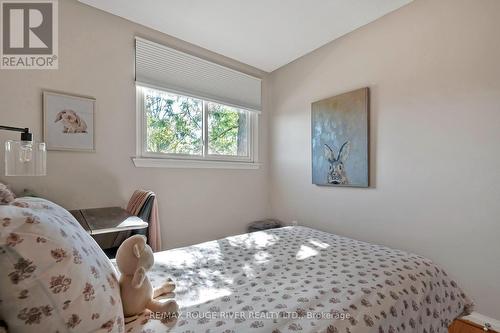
pixel 108 226
pixel 105 220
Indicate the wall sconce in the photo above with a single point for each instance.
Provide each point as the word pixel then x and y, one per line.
pixel 24 157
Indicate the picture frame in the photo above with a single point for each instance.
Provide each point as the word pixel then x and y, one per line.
pixel 340 140
pixel 68 122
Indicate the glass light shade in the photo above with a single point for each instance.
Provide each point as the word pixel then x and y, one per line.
pixel 25 158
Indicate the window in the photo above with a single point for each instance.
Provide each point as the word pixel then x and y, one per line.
pixel 188 128
pixel 195 113
pixel 174 124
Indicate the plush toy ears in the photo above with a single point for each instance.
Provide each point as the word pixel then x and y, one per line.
pixel 137 251
pixel 137 248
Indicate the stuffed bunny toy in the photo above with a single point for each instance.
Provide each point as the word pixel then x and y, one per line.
pixel 134 258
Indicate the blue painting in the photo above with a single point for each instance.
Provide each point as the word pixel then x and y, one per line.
pixel 339 127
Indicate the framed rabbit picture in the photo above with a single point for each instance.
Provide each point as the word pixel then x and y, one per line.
pixel 68 122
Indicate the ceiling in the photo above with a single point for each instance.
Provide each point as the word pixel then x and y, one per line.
pixel 266 34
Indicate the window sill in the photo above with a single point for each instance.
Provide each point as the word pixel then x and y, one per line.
pixel 141 162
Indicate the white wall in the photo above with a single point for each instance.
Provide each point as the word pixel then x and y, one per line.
pixel 433 68
pixel 97 59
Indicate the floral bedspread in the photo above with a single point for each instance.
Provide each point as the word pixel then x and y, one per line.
pixel 297 279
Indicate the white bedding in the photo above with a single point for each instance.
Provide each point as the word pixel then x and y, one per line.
pixel 297 279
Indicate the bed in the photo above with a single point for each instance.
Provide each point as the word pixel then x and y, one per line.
pixel 297 279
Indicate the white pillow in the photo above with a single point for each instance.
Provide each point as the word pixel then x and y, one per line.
pixel 53 275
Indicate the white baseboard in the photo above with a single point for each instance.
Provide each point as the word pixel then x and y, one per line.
pixel 480 319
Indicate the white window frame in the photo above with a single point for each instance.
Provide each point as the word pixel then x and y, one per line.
pixel 167 160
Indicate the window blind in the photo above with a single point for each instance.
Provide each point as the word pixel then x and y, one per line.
pixel 162 67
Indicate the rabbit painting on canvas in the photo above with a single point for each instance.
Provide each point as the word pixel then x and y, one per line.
pixel 339 140
pixel 336 171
